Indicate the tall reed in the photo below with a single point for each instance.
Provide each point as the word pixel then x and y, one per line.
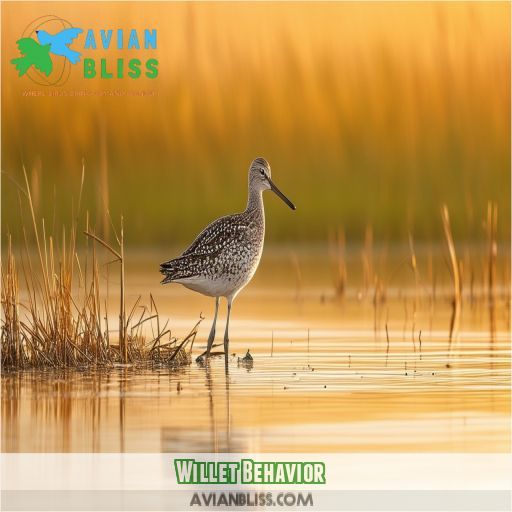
pixel 455 271
pixel 54 324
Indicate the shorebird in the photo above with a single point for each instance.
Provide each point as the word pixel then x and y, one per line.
pixel 225 255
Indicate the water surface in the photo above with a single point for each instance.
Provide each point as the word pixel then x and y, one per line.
pixel 325 377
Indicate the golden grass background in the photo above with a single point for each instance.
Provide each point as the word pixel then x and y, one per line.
pixel 371 113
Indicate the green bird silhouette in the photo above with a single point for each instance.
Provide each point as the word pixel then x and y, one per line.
pixel 34 54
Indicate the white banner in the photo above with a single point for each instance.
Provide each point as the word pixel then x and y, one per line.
pixel 89 481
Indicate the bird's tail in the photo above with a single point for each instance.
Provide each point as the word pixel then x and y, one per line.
pixel 169 270
pixel 73 56
pixel 22 64
pixel 175 269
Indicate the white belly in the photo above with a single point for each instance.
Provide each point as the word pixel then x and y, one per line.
pixel 207 286
pixel 222 286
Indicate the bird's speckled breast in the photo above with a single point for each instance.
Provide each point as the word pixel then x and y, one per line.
pixel 240 255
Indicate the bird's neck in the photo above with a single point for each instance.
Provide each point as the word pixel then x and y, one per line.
pixel 255 200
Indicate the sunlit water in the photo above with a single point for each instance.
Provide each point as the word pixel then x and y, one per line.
pixel 325 377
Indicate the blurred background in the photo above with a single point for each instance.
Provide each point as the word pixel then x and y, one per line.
pixel 371 114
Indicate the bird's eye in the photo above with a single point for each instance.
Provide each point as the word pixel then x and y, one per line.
pixel 262 172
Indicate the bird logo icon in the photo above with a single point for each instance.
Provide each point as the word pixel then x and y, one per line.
pixel 59 42
pixel 38 50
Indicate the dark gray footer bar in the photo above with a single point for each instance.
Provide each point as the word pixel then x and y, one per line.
pixel 396 501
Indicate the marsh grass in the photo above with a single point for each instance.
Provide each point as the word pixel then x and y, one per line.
pixel 452 283
pixel 491 226
pixel 455 273
pixel 337 251
pixel 60 321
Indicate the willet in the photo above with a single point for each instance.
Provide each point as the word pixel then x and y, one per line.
pixel 225 255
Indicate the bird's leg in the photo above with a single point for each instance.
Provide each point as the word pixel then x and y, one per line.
pixel 226 333
pixel 211 337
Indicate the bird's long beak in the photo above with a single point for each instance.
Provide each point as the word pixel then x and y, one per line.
pixel 280 194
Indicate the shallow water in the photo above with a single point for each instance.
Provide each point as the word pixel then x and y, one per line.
pixel 325 377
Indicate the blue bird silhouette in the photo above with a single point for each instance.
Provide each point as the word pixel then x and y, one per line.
pixel 59 42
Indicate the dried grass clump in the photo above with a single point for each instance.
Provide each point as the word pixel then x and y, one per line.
pixel 60 321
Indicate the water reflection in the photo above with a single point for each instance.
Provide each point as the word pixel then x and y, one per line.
pixel 279 403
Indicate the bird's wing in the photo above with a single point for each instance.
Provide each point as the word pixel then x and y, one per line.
pixel 215 238
pixel 210 239
pixel 67 35
pixel 44 62
pixel 28 46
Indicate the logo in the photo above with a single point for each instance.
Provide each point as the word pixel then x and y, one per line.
pixel 46 53
pixel 49 47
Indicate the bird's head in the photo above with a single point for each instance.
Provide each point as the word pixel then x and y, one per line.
pixel 43 36
pixel 260 179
